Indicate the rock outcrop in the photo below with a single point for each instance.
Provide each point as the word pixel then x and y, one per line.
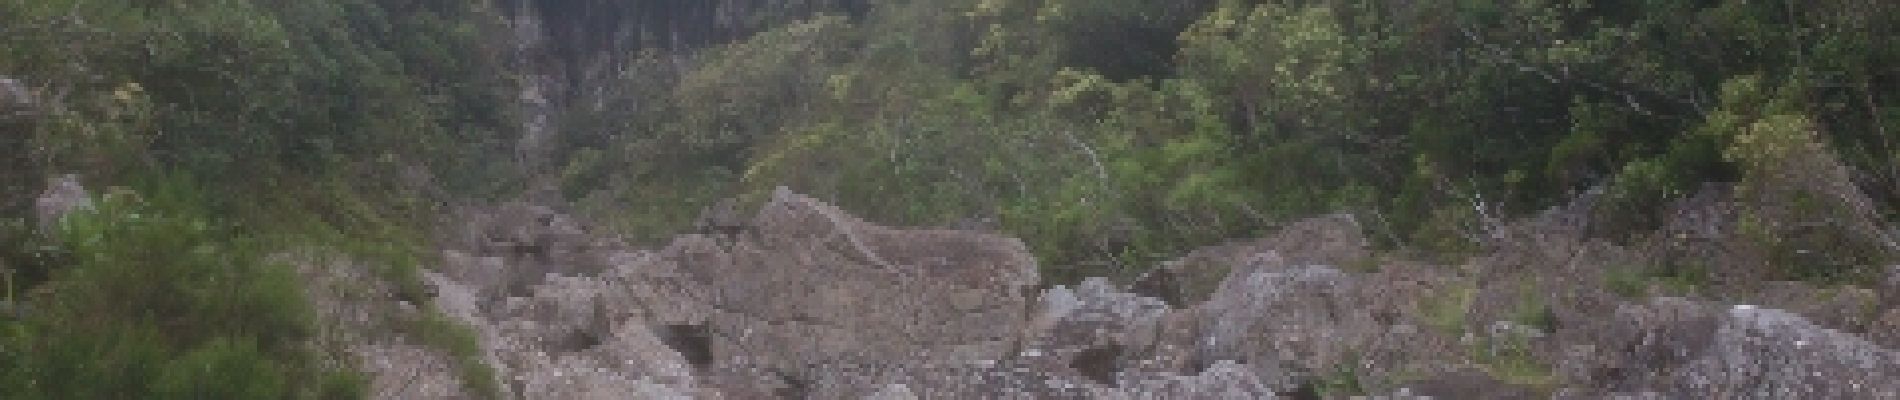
pixel 1762 353
pixel 802 300
pixel 1335 240
pixel 808 293
pixel 812 286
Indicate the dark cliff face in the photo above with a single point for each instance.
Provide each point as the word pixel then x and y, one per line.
pixel 667 24
pixel 583 33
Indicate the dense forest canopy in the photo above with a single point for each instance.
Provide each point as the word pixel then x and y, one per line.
pixel 1108 134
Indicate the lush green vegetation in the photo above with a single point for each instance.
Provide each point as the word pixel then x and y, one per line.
pixel 222 132
pixel 1111 133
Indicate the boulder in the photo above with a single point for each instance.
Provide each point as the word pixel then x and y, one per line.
pixel 1223 380
pixel 1287 325
pixel 15 97
pixel 722 218
pixel 1098 332
pixel 816 286
pixel 503 250
pixel 893 391
pixel 63 196
pixel 1336 240
pixel 1766 353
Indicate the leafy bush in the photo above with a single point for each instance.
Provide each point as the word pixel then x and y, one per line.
pixel 1801 201
pixel 154 300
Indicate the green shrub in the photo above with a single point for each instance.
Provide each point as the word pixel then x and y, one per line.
pixel 155 301
pixel 1800 200
pixel 222 369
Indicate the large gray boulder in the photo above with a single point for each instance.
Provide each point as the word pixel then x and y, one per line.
pixel 817 286
pixel 1288 325
pixel 1336 240
pixel 1774 354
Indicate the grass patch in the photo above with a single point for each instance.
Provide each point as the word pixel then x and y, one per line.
pixel 1369 264
pixel 1509 359
pixel 1532 311
pixel 1632 281
pixel 1446 311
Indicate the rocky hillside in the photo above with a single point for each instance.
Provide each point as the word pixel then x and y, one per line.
pixel 802 300
pixel 337 199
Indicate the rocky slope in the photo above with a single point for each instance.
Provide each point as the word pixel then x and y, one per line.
pixel 802 300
